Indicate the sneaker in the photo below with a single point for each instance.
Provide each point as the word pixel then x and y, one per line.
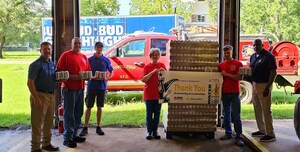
pixel 156 136
pixel 84 131
pixel 99 131
pixel 257 134
pixel 50 148
pixel 148 136
pixel 239 141
pixel 225 137
pixel 70 143
pixel 267 138
pixel 79 139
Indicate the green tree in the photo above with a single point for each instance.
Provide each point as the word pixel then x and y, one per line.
pixel 20 21
pixel 213 10
pixel 99 7
pixel 279 19
pixel 275 18
pixel 150 7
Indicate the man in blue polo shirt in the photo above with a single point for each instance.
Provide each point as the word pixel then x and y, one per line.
pixel 41 84
pixel 97 87
pixel 263 68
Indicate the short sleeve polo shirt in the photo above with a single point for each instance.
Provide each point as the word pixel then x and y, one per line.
pixel 43 74
pixel 99 64
pixel 261 65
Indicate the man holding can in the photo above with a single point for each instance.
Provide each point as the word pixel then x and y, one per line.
pixel 97 86
pixel 75 63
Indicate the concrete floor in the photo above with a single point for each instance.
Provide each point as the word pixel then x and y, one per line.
pixel 123 140
pixel 133 140
pixel 286 138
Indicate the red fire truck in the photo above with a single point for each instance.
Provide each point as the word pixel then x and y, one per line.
pixel 287 57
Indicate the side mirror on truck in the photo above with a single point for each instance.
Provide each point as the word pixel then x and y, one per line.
pixel 115 53
pixel 119 52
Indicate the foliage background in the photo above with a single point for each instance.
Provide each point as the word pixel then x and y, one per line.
pixel 151 7
pixel 278 19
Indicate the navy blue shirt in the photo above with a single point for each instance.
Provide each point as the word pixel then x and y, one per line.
pixel 43 74
pixel 98 64
pixel 261 65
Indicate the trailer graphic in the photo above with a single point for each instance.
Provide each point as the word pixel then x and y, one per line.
pixel 111 29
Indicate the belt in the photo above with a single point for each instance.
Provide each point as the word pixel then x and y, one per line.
pixel 48 92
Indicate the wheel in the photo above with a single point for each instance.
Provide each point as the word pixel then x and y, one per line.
pixel 246 92
pixel 297 118
pixel 168 135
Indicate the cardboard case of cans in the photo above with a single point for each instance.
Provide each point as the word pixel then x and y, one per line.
pixel 194 56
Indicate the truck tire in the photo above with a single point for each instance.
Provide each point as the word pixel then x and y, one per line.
pixel 297 118
pixel 246 92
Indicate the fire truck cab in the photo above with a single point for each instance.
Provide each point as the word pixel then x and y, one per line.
pixel 129 56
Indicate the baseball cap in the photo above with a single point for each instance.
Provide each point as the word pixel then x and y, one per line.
pixel 99 44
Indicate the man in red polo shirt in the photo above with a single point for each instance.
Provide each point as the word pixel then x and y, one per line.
pixel 72 91
pixel 231 95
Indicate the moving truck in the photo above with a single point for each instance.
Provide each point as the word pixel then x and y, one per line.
pixel 111 29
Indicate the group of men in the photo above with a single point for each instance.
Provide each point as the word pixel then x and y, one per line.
pixel 42 81
pixel 263 71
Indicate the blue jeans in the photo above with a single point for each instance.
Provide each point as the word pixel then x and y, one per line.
pixel 73 111
pixel 232 105
pixel 152 115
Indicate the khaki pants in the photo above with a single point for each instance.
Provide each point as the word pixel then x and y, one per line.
pixel 262 109
pixel 42 120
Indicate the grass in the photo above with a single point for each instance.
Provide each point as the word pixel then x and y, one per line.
pixel 281 111
pixel 280 97
pixel 20 55
pixel 15 109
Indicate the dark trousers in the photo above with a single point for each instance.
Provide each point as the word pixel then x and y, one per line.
pixel 73 111
pixel 152 115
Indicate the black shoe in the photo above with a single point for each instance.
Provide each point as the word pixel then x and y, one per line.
pixel 226 137
pixel 267 138
pixel 70 144
pixel 84 131
pixel 148 136
pixel 99 131
pixel 79 139
pixel 156 136
pixel 50 148
pixel 257 134
pixel 239 141
pixel 37 150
